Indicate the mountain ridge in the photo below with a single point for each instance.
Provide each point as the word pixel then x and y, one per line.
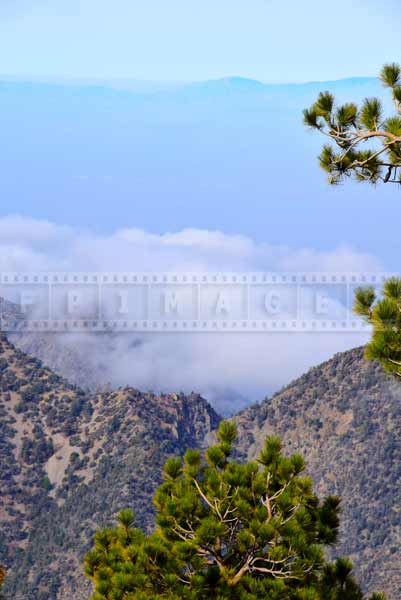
pixel 75 458
pixel 135 86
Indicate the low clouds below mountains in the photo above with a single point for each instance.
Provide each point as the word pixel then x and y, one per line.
pixel 230 369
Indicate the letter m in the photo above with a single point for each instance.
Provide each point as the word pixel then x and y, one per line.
pixel 171 303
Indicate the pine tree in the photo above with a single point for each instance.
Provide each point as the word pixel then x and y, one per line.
pixel 227 530
pixel 384 314
pixel 351 128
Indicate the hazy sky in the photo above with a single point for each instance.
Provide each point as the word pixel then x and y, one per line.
pixel 198 39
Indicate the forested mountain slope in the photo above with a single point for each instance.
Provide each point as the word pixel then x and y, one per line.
pixel 344 416
pixel 71 459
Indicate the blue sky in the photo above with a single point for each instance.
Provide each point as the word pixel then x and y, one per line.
pixel 196 40
pixel 99 175
pixel 210 157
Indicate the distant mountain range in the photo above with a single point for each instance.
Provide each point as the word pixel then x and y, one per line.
pixel 72 459
pixel 239 89
pixel 165 157
pixel 150 87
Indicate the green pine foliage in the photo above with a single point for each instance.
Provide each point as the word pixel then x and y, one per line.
pixel 384 314
pixel 227 530
pixel 350 128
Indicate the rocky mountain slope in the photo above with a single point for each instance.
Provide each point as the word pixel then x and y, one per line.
pixel 71 459
pixel 344 416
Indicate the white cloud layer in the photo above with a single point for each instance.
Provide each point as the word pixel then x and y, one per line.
pixel 28 244
pixel 229 369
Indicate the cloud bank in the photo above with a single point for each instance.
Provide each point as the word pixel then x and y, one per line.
pixel 231 370
pixel 29 244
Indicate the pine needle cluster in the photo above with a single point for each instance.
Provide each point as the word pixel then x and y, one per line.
pixel 365 145
pixel 384 314
pixel 227 530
